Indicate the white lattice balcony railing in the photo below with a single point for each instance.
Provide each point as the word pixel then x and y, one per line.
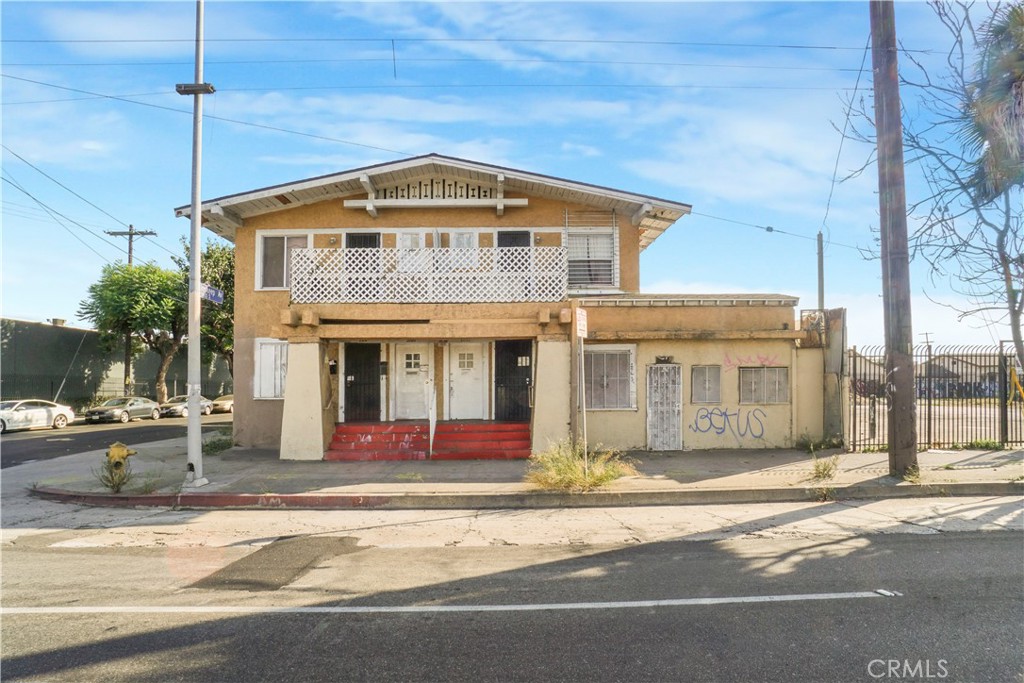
pixel 440 275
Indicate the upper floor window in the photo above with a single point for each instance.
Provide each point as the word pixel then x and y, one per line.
pixel 591 259
pixel 764 385
pixel 274 258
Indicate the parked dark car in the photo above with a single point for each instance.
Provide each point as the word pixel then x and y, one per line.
pixel 123 409
pixel 34 413
pixel 177 406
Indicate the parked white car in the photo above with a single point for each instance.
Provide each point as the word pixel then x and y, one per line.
pixel 32 413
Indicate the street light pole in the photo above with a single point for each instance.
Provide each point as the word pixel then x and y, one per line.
pixel 194 474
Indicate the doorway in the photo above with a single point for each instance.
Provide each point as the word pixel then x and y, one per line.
pixel 513 376
pixel 664 407
pixel 467 381
pixel 362 382
pixel 413 381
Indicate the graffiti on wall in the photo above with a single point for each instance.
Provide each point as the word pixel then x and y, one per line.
pixel 740 422
pixel 756 360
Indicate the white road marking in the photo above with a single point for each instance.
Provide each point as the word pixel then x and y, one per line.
pixel 420 609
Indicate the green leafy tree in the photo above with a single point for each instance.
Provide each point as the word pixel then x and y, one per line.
pixel 217 324
pixel 994 129
pixel 145 301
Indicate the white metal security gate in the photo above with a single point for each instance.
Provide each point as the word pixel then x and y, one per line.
pixel 664 407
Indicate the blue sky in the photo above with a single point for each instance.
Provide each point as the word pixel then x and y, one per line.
pixel 731 107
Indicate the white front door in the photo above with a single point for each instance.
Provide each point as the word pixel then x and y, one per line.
pixel 467 381
pixel 664 407
pixel 413 384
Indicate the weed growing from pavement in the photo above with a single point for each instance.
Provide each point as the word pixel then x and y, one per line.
pixel 409 476
pixel 563 467
pixel 114 474
pixel 217 445
pixel 912 474
pixel 824 468
pixel 824 494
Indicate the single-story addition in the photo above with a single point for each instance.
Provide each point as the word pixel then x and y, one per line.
pixel 434 307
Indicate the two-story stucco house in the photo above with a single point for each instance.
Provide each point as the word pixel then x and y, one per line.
pixel 435 307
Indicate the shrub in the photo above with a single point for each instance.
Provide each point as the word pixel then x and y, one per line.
pixel 563 467
pixel 114 474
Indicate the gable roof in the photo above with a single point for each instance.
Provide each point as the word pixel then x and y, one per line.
pixel 650 214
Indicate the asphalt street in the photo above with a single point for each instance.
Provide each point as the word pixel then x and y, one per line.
pixel 17 448
pixel 83 606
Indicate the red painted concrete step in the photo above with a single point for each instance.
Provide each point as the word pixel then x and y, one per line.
pixel 469 440
pixel 361 441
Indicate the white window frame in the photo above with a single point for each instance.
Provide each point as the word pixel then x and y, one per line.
pixel 260 235
pixel 708 393
pixel 268 382
pixel 613 235
pixel 764 385
pixel 611 349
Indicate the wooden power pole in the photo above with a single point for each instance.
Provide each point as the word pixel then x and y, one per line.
pixel 131 233
pixel 892 200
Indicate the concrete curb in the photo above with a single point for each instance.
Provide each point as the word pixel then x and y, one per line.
pixel 523 500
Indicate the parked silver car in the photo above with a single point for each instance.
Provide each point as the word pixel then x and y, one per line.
pixel 31 413
pixel 224 404
pixel 177 406
pixel 123 409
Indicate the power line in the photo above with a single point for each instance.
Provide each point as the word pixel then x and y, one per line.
pixel 54 213
pixel 452 60
pixel 842 138
pixel 49 177
pixel 210 116
pixel 388 41
pixel 769 228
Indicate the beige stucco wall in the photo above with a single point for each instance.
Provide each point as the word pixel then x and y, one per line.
pixel 302 425
pixel 694 334
pixel 728 424
pixel 552 397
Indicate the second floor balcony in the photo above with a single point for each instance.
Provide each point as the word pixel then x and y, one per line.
pixel 429 275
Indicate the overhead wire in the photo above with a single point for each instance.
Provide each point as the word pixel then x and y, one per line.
pixel 842 139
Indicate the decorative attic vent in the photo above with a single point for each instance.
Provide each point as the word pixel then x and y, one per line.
pixel 435 193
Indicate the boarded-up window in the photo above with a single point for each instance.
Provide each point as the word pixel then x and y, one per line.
pixel 271 368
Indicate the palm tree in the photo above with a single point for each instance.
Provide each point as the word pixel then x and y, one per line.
pixel 995 122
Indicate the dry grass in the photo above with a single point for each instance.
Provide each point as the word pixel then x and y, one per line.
pixel 562 467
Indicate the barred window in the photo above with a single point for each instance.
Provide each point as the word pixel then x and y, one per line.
pixel 610 378
pixel 591 259
pixel 706 384
pixel 764 385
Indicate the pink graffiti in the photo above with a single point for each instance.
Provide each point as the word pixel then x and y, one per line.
pixel 756 360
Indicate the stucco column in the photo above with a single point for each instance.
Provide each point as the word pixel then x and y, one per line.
pixel 552 397
pixel 302 424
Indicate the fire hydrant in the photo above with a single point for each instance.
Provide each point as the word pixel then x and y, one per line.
pixel 117 455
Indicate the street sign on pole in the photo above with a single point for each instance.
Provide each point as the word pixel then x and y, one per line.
pixel 211 293
pixel 581 323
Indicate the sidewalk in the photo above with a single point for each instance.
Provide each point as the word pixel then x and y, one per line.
pixel 255 478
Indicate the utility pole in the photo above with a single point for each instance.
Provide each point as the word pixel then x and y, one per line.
pixel 892 200
pixel 131 233
pixel 194 472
